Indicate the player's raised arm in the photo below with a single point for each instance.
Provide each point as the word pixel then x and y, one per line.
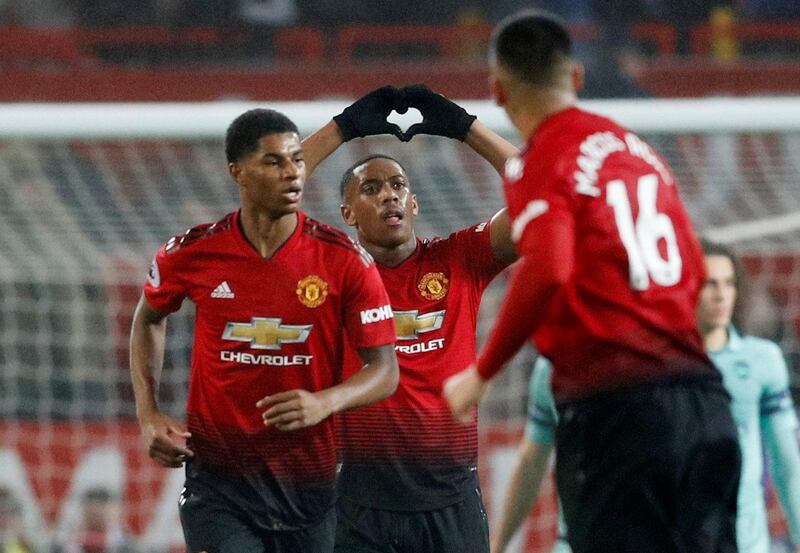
pixel 164 436
pixel 443 117
pixel 364 117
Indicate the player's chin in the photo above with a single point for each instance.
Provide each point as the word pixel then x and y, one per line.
pixel 399 232
pixel 288 207
pixel 391 239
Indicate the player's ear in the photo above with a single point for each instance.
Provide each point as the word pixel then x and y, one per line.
pixel 347 215
pixel 497 91
pixel 414 205
pixel 578 76
pixel 234 170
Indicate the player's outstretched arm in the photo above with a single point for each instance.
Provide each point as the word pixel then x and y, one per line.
pixel 490 146
pixel 496 150
pixel 364 117
pixel 164 436
pixel 443 117
pixel 530 467
pixel 320 144
pixel 295 409
pixel 539 275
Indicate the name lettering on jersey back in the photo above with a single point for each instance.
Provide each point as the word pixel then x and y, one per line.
pixel 376 314
pixel 642 150
pixel 596 148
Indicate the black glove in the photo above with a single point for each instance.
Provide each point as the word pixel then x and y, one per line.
pixel 367 115
pixel 440 116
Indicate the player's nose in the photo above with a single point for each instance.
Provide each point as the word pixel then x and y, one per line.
pixel 292 170
pixel 388 192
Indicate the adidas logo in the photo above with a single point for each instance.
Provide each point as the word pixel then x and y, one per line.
pixel 223 291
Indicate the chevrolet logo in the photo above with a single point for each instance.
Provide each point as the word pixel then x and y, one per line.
pixel 266 333
pixel 410 324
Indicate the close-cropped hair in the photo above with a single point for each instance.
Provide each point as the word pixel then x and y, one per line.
pixel 716 249
pixel 348 175
pixel 532 45
pixel 247 129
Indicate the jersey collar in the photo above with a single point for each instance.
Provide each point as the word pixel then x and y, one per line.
pixel 734 339
pixel 552 120
pixel 247 247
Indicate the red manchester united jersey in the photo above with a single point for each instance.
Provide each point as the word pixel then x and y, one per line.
pixel 407 452
pixel 264 326
pixel 627 313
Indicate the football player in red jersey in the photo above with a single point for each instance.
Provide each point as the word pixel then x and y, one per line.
pixel 607 284
pixel 409 481
pixel 277 296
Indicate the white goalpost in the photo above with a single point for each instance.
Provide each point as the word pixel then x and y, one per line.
pixel 90 191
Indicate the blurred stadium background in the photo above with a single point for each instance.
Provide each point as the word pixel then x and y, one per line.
pixel 84 206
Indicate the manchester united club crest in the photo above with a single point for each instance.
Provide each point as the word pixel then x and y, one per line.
pixel 433 286
pixel 312 291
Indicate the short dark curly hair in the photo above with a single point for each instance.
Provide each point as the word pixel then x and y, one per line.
pixel 247 129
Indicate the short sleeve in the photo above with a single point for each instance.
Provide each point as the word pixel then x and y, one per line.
pixel 473 248
pixel 164 288
pixel 542 416
pixel 368 317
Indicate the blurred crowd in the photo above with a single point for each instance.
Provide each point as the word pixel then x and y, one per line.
pixel 342 12
pixel 249 29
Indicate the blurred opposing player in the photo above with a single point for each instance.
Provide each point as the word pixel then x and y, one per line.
pixel 277 296
pixel 607 286
pixel 532 462
pixel 409 480
pixel 756 376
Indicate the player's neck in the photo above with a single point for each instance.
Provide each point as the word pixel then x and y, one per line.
pixel 715 339
pixel 538 107
pixel 391 256
pixel 266 233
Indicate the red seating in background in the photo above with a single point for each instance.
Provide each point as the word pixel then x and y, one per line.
pixel 23 46
pixel 446 40
pixel 751 31
pixel 70 45
pixel 146 37
pixel 123 63
pixel 305 43
pixel 456 40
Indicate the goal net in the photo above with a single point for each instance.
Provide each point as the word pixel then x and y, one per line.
pixel 90 192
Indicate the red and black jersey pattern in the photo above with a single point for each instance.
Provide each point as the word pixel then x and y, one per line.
pixel 199 232
pixel 263 326
pixel 335 236
pixel 627 313
pixel 407 452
